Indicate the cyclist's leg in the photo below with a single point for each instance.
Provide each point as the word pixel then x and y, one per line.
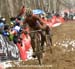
pixel 48 32
pixel 33 44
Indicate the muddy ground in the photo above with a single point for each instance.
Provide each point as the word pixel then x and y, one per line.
pixel 62 57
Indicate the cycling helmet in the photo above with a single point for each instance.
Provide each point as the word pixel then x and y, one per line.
pixel 28 12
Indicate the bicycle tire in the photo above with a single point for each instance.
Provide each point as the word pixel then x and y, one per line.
pixel 39 53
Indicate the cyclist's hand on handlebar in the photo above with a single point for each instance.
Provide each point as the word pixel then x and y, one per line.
pixel 43 28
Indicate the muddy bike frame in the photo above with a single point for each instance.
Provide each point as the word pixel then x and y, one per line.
pixel 37 44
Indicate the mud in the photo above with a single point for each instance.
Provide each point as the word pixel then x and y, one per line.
pixel 63 56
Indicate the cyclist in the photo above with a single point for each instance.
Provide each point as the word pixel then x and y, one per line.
pixel 35 23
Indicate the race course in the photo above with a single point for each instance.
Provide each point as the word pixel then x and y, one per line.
pixel 63 56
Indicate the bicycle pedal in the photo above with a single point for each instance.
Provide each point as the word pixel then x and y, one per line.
pixel 34 55
pixel 34 58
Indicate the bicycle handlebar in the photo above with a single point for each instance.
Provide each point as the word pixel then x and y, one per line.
pixel 32 31
pixel 35 31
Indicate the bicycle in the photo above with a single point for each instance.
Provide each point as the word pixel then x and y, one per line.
pixel 36 38
pixel 37 43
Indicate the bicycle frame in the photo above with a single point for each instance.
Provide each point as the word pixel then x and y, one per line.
pixel 37 45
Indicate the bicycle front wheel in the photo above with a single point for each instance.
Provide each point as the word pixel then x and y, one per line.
pixel 39 53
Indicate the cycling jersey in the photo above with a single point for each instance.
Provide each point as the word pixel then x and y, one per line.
pixel 34 22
